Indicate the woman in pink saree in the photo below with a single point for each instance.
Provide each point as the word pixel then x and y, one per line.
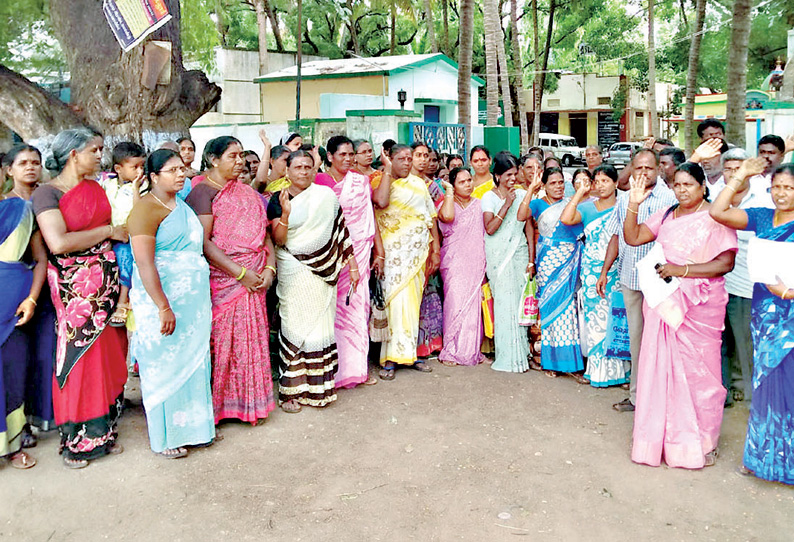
pixel 241 260
pixel 679 389
pixel 462 270
pixel 354 193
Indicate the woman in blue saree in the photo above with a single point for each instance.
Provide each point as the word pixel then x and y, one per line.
pixel 769 449
pixel 171 300
pixel 558 259
pixel 21 289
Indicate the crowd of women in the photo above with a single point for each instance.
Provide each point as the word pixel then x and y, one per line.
pixel 405 250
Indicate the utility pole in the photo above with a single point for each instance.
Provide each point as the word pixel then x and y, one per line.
pixel 298 60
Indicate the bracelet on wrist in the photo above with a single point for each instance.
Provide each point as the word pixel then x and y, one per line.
pixel 686 270
pixel 241 275
pixel 499 217
pixel 632 211
pixel 29 298
pixel 271 268
pixel 167 309
pixel 380 258
pixel 282 223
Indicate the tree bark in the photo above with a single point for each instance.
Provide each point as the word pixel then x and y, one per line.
pixel 352 26
pixel 445 14
pixel 504 73
pixel 536 77
pixel 519 75
pixel 106 82
pixel 431 32
pixel 737 72
pixel 393 26
pixel 30 111
pixel 261 27
pixel 692 75
pixel 491 62
pixel 544 68
pixel 271 14
pixel 466 38
pixel 654 127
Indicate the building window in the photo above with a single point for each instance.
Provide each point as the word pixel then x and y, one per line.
pixel 604 100
pixel 554 102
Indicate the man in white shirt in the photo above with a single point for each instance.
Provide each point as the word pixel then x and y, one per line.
pixel 737 345
pixel 771 148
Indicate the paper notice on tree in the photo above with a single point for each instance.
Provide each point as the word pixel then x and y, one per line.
pixel 132 20
pixel 767 260
pixel 653 287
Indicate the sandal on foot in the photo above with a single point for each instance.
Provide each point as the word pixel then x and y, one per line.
pixel 422 367
pixel 550 374
pixel 22 461
pixel 291 407
pixel 534 365
pixel 174 453
pixel 446 363
pixel 119 317
pixel 625 386
pixel 75 463
pixel 711 458
pixel 624 406
pixel 387 372
pixel 744 471
pixel 115 449
pixel 29 440
pixel 580 379
pixel 371 381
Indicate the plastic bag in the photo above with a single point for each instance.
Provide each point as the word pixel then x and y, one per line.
pixel 487 310
pixel 529 303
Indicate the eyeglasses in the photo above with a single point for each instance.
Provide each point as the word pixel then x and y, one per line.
pixel 172 170
pixel 780 187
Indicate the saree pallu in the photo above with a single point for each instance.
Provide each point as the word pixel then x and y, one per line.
pixel 769 448
pixel 405 229
pixel 15 227
pixel 507 256
pixel 175 369
pixel 351 327
pixel 463 272
pixel 679 383
pixel 242 386
pixel 602 370
pixel 558 260
pixel 90 367
pixel 318 246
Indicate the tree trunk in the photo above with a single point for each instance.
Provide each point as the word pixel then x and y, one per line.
pixel 545 67
pixel 654 128
pixel 431 32
pixel 491 62
pixel 519 75
pixel 220 22
pixel 737 72
pixel 274 26
pixel 504 73
pixel 445 12
pixel 352 26
pixel 536 77
pixel 692 75
pixel 393 27
pixel 106 82
pixel 466 39
pixel 30 111
pixel 261 27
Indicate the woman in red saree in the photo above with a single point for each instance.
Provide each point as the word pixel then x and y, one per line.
pixel 241 260
pixel 73 213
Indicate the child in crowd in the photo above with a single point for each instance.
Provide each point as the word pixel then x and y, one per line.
pixel 124 186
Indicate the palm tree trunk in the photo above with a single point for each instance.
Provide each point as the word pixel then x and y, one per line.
pixel 654 128
pixel 445 12
pixel 431 32
pixel 692 75
pixel 466 39
pixel 491 62
pixel 737 72
pixel 261 27
pixel 535 78
pixel 518 78
pixel 504 73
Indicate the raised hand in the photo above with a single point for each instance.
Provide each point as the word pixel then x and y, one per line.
pixel 751 167
pixel 286 204
pixel 511 196
pixel 447 187
pixel 263 137
pixel 536 183
pixel 386 161
pixel 789 144
pixel 637 191
pixel 649 143
pixel 584 187
pixel 706 150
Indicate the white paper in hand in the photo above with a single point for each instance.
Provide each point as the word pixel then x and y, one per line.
pixel 767 260
pixel 653 287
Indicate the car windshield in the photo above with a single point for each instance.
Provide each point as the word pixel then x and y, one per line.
pixel 568 143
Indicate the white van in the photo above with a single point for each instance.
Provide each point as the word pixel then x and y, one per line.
pixel 564 147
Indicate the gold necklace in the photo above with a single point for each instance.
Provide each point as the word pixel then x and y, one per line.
pixel 218 186
pixel 14 191
pixel 161 202
pixel 676 215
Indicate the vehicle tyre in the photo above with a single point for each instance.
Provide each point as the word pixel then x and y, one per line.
pixel 567 160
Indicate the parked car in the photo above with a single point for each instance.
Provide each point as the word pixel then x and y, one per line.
pixel 619 154
pixel 564 147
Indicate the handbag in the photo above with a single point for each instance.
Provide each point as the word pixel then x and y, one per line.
pixel 487 310
pixel 378 317
pixel 617 336
pixel 529 303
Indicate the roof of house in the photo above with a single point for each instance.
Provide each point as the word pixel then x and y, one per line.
pixel 357 67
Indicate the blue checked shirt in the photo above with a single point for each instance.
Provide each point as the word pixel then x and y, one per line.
pixel 661 197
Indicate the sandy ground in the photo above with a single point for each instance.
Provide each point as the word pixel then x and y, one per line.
pixel 459 454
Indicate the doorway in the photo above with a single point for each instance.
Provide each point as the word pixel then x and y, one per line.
pixel 433 113
pixel 578 124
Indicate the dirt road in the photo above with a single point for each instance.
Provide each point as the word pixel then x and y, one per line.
pixel 459 454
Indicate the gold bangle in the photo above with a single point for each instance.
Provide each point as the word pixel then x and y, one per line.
pixel 727 186
pixel 32 301
pixel 285 225
pixel 271 268
pixel 686 270
pixel 499 217
pixel 786 293
pixel 380 258
pixel 167 309
pixel 241 275
pixel 632 211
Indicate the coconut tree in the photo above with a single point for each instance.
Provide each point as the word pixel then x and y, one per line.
pixel 518 77
pixel 737 71
pixel 431 33
pixel 652 72
pixel 491 62
pixel 466 39
pixel 692 74
pixel 504 73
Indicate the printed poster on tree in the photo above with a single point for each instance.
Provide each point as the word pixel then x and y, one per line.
pixel 132 20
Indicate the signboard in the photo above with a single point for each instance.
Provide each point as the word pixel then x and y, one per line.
pixel 132 20
pixel 608 129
